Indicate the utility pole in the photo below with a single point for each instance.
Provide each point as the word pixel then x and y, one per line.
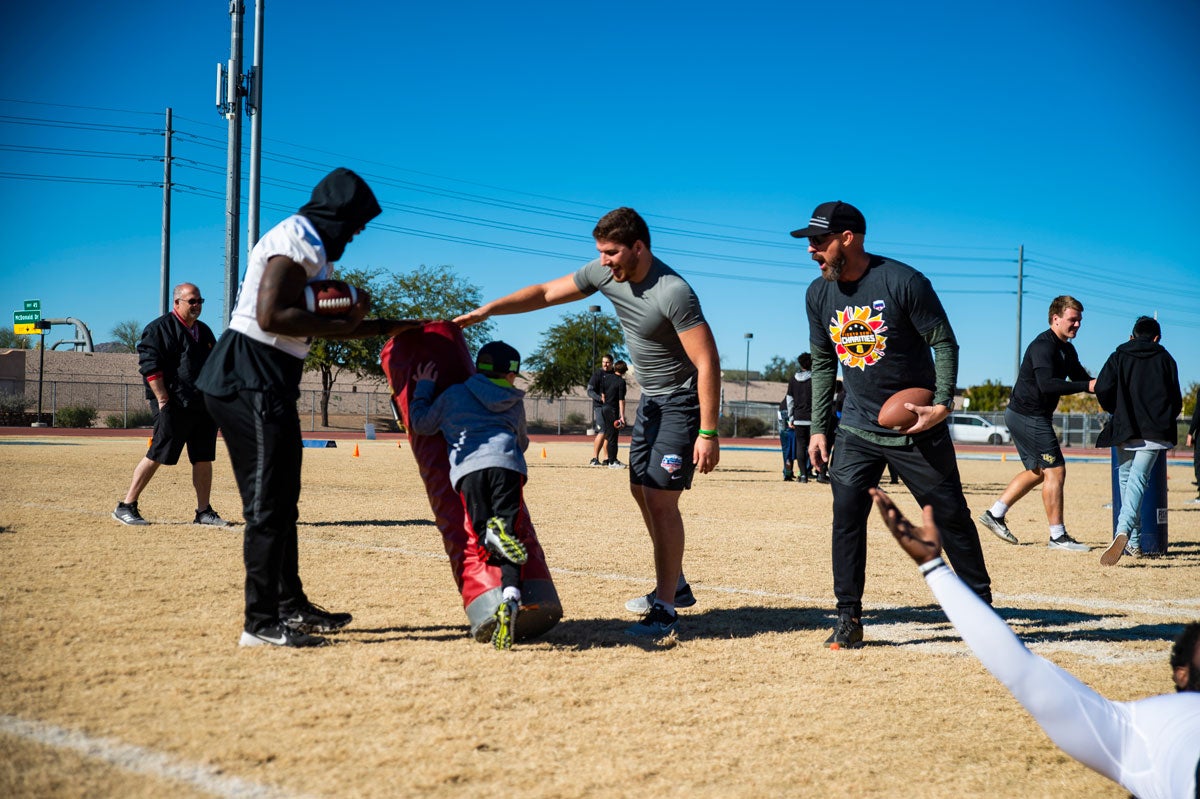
pixel 1020 297
pixel 594 309
pixel 230 91
pixel 254 109
pixel 746 398
pixel 165 303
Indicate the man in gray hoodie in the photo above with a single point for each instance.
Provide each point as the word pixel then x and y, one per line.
pixel 483 422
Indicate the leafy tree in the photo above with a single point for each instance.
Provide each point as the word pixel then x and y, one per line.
pixel 127 334
pixel 1082 402
pixel 11 341
pixel 990 396
pixel 1191 393
pixel 564 358
pixel 424 293
pixel 779 369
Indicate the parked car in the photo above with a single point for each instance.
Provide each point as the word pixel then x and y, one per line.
pixel 972 429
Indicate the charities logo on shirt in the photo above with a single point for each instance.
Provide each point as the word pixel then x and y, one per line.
pixel 858 336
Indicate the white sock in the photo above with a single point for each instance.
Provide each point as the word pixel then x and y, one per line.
pixel 512 592
pixel 999 509
pixel 1058 530
pixel 668 606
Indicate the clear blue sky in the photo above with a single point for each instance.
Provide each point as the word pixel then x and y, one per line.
pixel 495 136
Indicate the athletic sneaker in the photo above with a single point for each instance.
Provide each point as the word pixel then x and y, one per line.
pixel 506 624
pixel 1115 550
pixel 210 517
pixel 281 635
pixel 997 526
pixel 1133 551
pixel 595 462
pixel 615 465
pixel 501 543
pixel 127 513
pixel 657 623
pixel 1065 541
pixel 847 635
pixel 309 617
pixel 642 604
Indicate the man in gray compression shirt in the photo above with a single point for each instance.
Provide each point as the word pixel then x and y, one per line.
pixel 675 356
pixel 1151 747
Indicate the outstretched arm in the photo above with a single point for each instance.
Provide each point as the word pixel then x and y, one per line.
pixel 1082 723
pixel 530 298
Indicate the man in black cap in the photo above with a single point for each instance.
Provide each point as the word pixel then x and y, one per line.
pixel 251 383
pixel 884 323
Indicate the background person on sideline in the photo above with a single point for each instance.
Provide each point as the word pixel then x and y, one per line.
pixel 1151 747
pixel 594 391
pixel 884 323
pixel 1049 370
pixel 799 400
pixel 172 351
pixel 252 382
pixel 1193 435
pixel 1139 386
pixel 680 375
pixel 613 390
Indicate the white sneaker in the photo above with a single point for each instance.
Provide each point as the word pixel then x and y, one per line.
pixel 1065 541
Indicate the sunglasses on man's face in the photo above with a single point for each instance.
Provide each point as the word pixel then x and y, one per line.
pixel 817 242
pixel 197 301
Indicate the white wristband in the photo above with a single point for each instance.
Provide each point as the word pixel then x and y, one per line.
pixel 932 565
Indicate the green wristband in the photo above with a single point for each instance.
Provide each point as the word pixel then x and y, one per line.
pixel 704 432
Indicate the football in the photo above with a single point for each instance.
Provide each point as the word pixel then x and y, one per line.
pixel 895 416
pixel 329 297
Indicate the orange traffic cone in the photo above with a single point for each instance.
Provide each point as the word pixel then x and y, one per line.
pixel 356 450
pixel 149 441
pixel 543 452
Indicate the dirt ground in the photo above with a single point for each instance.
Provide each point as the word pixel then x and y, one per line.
pixel 120 674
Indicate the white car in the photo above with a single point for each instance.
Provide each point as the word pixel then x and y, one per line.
pixel 972 429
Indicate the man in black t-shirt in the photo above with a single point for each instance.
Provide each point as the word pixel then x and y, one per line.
pixel 1049 370
pixel 595 391
pixel 613 389
pixel 880 319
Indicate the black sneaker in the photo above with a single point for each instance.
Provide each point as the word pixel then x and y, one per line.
pixel 996 525
pixel 847 635
pixel 823 478
pixel 595 462
pixel 127 513
pixel 657 623
pixel 684 598
pixel 281 635
pixel 309 617
pixel 210 517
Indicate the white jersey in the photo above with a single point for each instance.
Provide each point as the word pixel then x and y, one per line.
pixel 1151 746
pixel 295 238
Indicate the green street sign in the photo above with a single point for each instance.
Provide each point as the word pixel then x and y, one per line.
pixel 33 305
pixel 26 317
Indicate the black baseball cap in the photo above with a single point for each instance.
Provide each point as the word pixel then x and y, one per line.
pixel 833 217
pixel 497 359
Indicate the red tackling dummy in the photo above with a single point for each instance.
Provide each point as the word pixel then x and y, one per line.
pixel 443 343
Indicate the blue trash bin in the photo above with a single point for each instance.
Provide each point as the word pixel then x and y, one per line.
pixel 1154 505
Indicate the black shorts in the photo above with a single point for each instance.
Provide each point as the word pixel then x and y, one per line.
pixel 175 426
pixel 598 418
pixel 1035 440
pixel 664 438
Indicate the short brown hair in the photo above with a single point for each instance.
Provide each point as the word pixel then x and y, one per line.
pixel 1061 304
pixel 624 226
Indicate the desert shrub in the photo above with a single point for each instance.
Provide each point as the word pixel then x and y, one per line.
pixel 75 416
pixel 12 408
pixel 747 427
pixel 575 417
pixel 135 419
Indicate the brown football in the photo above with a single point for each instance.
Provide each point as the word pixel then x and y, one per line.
pixel 329 297
pixel 894 415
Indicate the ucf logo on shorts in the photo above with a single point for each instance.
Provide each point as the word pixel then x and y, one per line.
pixel 857 335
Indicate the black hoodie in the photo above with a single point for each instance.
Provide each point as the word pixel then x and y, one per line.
pixel 1139 386
pixel 340 205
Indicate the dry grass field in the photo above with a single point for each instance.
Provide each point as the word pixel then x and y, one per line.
pixel 120 675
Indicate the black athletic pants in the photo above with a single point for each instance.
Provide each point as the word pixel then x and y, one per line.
pixel 494 492
pixel 262 433
pixel 930 470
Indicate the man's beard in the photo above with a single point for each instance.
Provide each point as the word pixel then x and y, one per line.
pixel 833 269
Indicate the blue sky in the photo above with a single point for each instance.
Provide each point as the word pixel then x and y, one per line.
pixel 496 135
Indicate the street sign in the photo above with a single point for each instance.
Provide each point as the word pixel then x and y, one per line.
pixel 27 330
pixel 33 305
pixel 26 317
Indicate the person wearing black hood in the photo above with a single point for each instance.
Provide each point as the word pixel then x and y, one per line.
pixel 251 383
pixel 1139 386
